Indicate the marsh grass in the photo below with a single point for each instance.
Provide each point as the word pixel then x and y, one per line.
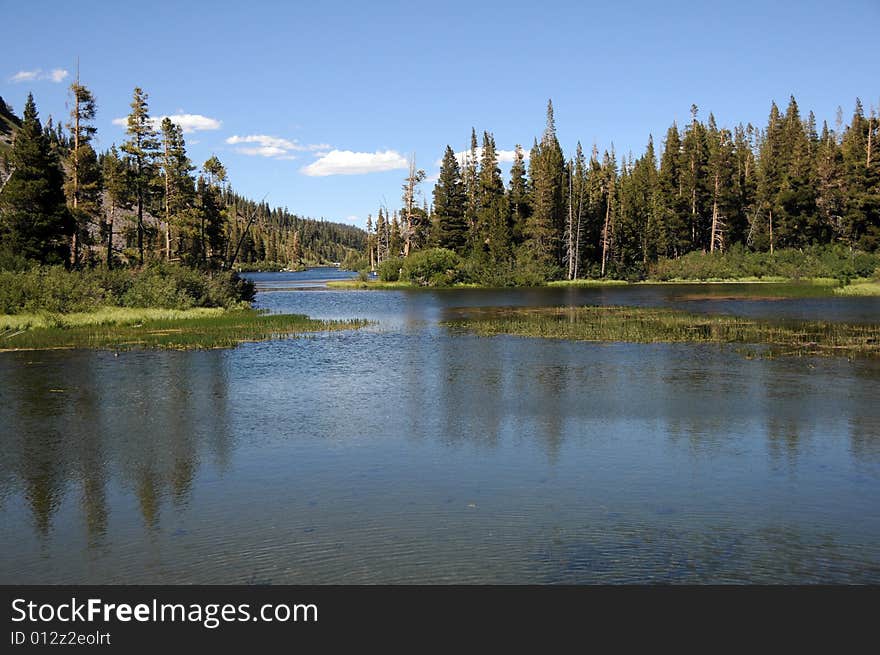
pixel 368 284
pixel 126 329
pixel 380 285
pixel 587 282
pixel 860 288
pixel 654 325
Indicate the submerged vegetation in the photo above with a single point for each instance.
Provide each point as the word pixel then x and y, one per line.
pixel 656 325
pixel 126 329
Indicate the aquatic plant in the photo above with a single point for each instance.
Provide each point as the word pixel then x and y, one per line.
pixel 659 325
pixel 126 329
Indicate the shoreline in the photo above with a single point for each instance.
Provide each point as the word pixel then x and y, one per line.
pixel 859 287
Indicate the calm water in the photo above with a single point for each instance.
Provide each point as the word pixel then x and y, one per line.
pixel 401 453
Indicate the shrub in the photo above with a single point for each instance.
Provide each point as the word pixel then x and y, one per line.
pixel 431 267
pixel 833 261
pixel 389 270
pixel 56 290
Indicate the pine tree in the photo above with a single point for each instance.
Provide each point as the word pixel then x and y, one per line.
pixel 518 196
pixel 141 147
pixel 211 211
pixel 115 174
pixel 493 218
pixel 830 189
pixel 610 200
pixel 381 238
pixel 83 186
pixel 578 203
pixel 179 186
pixel 694 160
pixel 745 185
pixel 672 218
pixel 413 227
pixel 449 205
pixel 861 170
pixel 395 237
pixel 720 170
pixel 371 243
pixel 34 220
pixel 772 169
pixel 545 226
pixel 796 199
pixel 470 178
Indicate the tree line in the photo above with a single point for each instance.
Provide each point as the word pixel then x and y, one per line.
pixel 62 202
pixel 790 184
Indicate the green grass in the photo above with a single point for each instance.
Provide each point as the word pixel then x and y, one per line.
pixel 117 328
pixel 860 288
pixel 370 284
pixel 586 282
pixel 768 279
pixel 102 316
pixel 651 325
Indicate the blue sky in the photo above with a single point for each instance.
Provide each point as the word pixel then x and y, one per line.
pixel 318 104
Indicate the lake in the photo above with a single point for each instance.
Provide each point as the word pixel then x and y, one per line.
pixel 403 453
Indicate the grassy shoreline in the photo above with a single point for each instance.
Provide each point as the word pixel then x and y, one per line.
pixel 856 287
pixel 656 325
pixel 117 328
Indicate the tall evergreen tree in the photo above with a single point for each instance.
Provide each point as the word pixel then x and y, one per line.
pixel 142 148
pixel 178 183
pixel 413 226
pixel 83 185
pixel 720 170
pixel 493 222
pixel 772 170
pixel 115 175
pixel 796 198
pixel 34 220
pixel 518 196
pixel 545 226
pixel 471 182
pixel 861 170
pixel 694 160
pixel 449 205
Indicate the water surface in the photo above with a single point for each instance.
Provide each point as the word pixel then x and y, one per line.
pixel 404 453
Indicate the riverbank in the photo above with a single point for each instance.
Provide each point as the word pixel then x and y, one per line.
pixel 655 325
pixel 779 286
pixel 118 328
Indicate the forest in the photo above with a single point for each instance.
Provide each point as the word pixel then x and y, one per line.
pixel 791 198
pixel 138 203
pixel 735 198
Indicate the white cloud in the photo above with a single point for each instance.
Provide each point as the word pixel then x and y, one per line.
pixel 194 122
pixel 58 74
pixel 273 146
pixel 24 76
pixel 264 151
pixel 346 162
pixel 265 141
pixel 504 156
pixel 189 123
pixel 55 75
